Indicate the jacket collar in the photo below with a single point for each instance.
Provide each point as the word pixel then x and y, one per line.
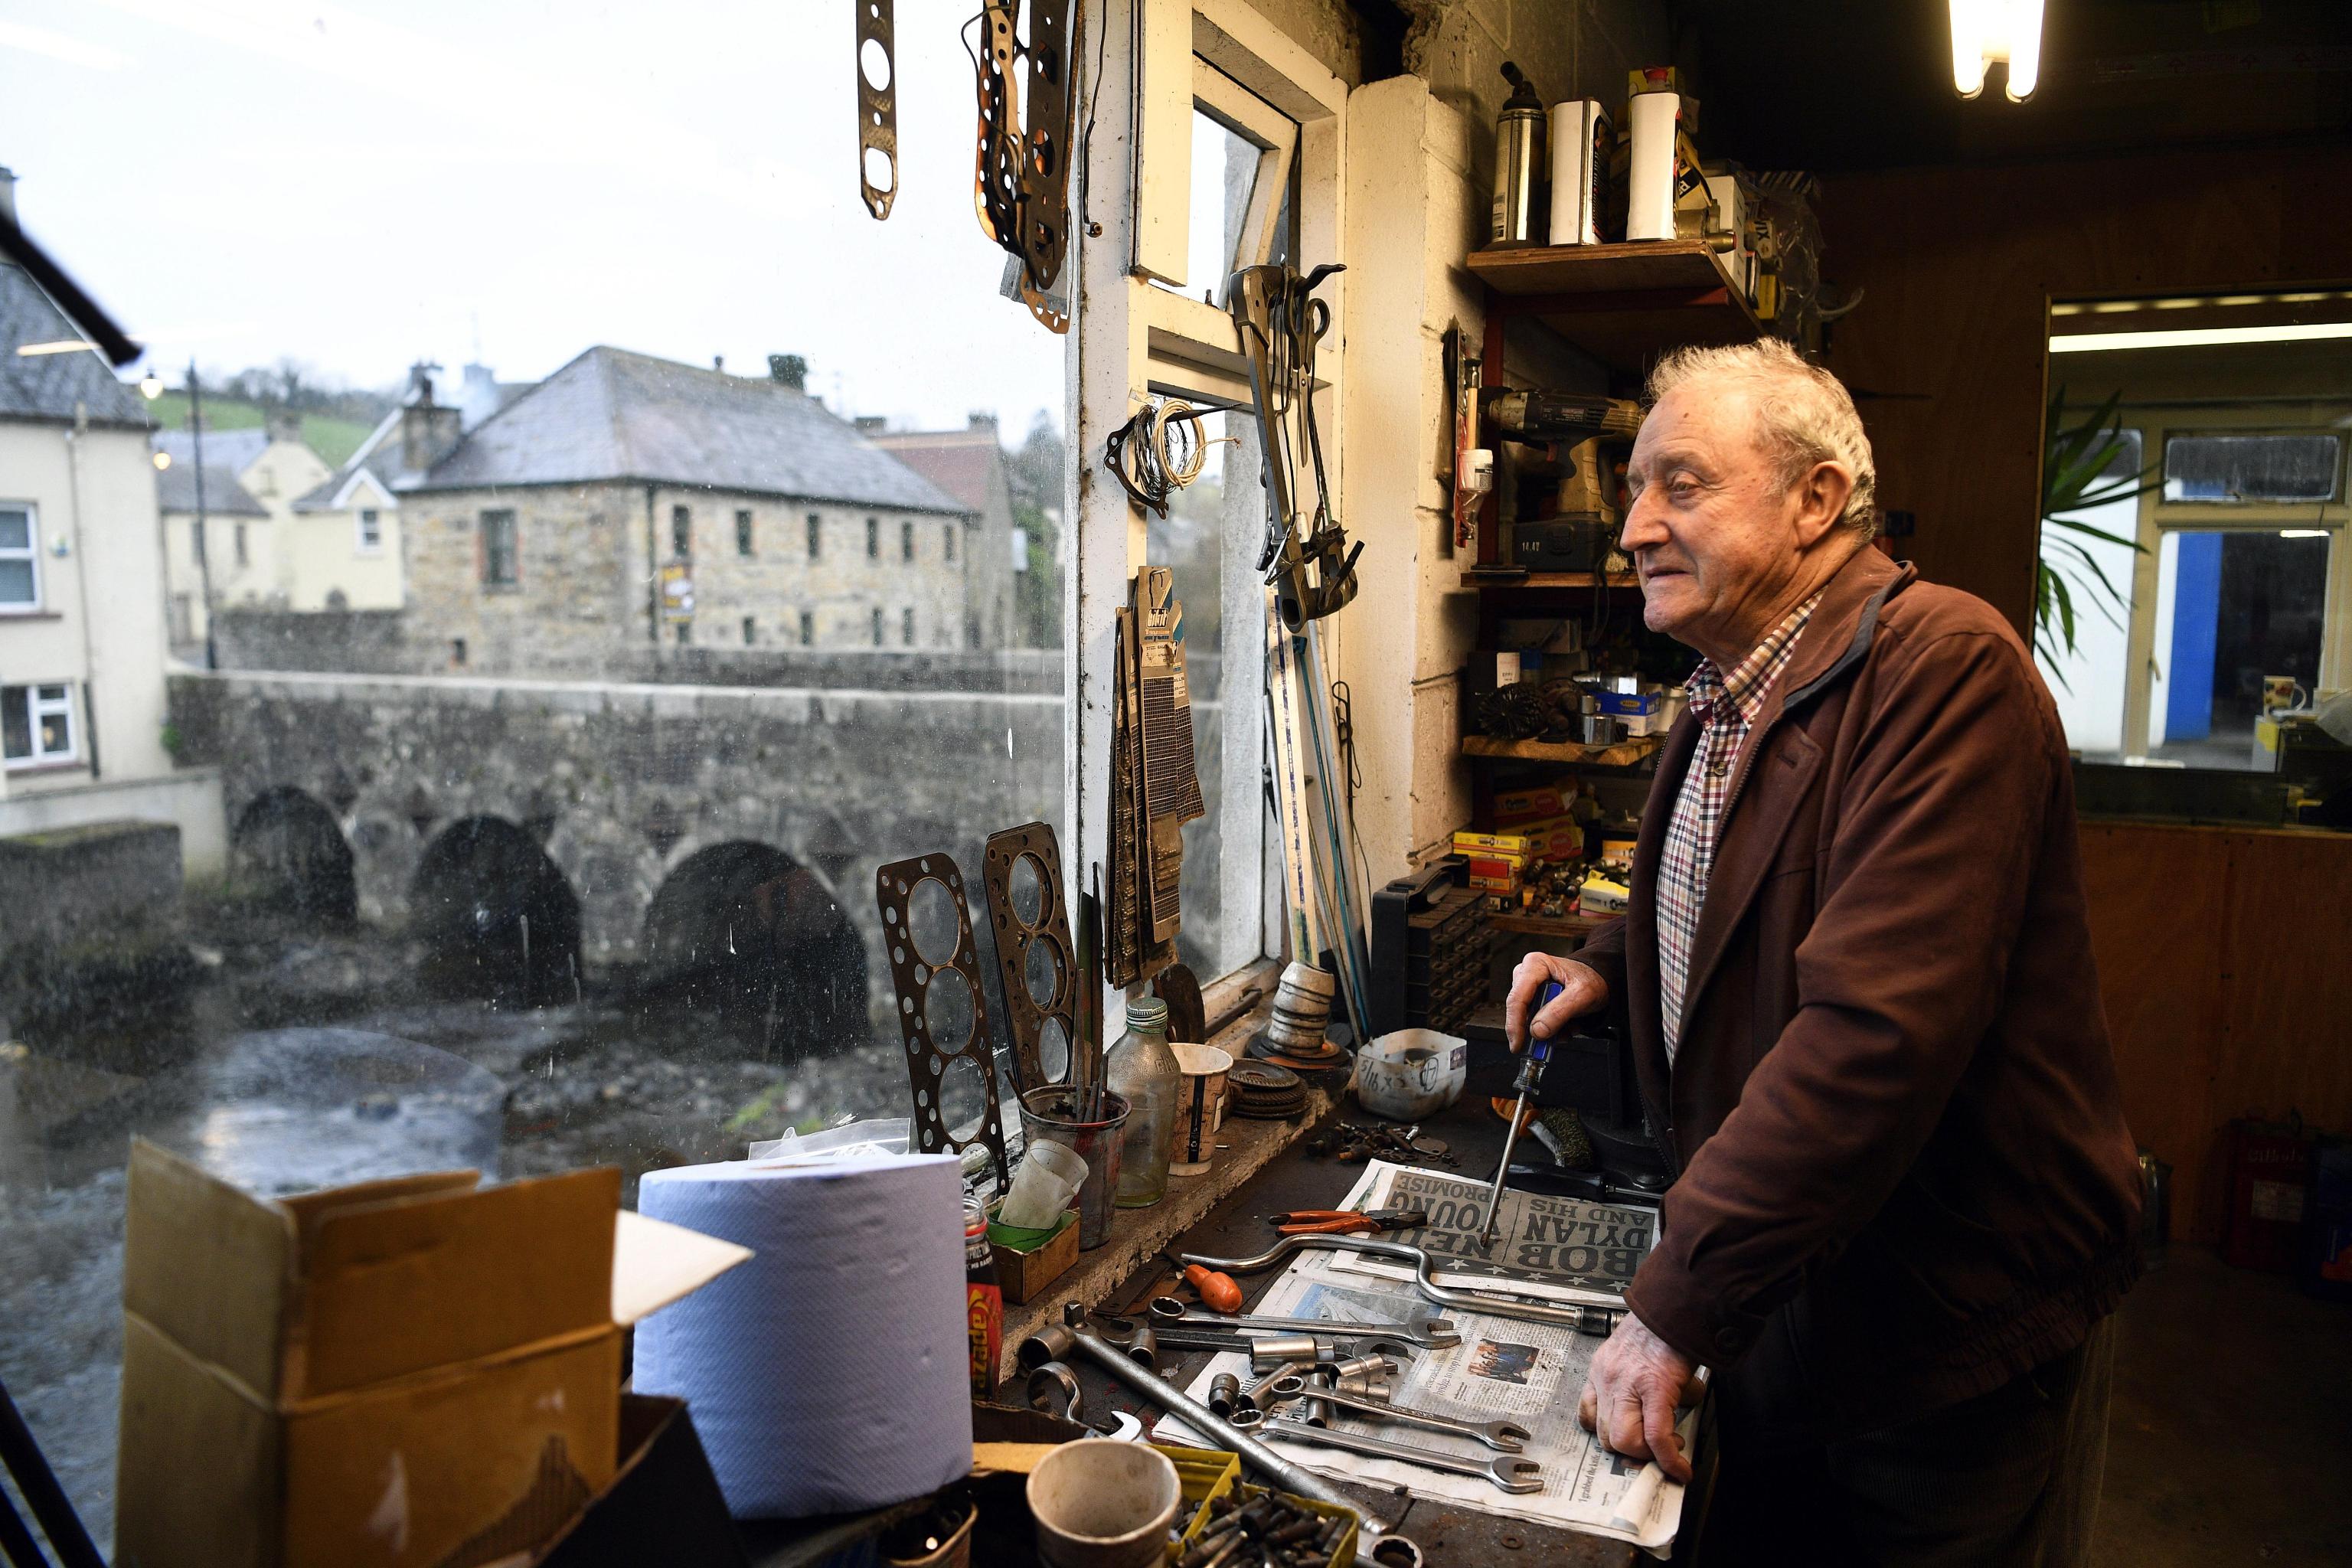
pixel 1838 636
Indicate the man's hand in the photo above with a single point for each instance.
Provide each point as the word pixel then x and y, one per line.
pixel 1583 991
pixel 1630 1394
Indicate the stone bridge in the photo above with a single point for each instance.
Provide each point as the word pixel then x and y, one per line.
pixel 654 821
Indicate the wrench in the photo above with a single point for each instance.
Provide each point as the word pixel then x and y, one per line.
pixel 1502 1436
pixel 1512 1475
pixel 1433 1334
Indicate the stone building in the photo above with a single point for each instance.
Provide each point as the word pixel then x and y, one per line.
pixel 970 464
pixel 629 504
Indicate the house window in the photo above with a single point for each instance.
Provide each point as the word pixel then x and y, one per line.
pixel 873 539
pixel 906 542
pixel 242 558
pixel 751 631
pixel 877 627
pixel 907 626
pixel 816 535
pixel 500 569
pixel 457 650
pixel 947 541
pixel 743 534
pixel 685 633
pixel 20 561
pixel 370 530
pixel 681 531
pixel 808 629
pixel 35 725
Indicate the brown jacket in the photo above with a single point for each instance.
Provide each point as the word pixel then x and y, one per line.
pixel 1894 1107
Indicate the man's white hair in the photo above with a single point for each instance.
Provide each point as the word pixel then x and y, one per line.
pixel 1804 414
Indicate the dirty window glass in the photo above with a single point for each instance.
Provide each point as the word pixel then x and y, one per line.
pixel 2252 468
pixel 641 545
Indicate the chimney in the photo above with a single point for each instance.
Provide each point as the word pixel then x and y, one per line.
pixel 428 432
pixel 8 193
pixel 979 421
pixel 871 424
pixel 789 370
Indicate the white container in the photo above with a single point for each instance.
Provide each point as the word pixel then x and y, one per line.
pixel 1411 1074
pixel 1580 137
pixel 1650 191
pixel 1200 1107
pixel 1101 1504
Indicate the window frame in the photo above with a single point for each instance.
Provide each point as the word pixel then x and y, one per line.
pixel 746 541
pixel 681 531
pixel 816 536
pixel 242 545
pixel 874 538
pixel 362 518
pixel 1132 332
pixel 512 522
pixel 36 707
pixel 808 629
pixel 30 552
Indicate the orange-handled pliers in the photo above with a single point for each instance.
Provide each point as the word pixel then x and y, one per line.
pixel 1340 1222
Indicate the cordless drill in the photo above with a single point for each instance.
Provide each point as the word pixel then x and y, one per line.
pixel 1532 1062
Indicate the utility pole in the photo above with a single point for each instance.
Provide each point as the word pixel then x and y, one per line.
pixel 203 543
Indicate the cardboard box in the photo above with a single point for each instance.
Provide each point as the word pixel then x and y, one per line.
pixel 1515 806
pixel 379 1374
pixel 1552 838
pixel 664 1505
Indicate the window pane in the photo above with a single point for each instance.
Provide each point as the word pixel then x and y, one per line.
pixel 1225 171
pixel 15 722
pixel 2252 468
pixel 2233 610
pixel 2089 684
pixel 15 582
pixel 16 530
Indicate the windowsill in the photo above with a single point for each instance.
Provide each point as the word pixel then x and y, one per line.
pixel 501 587
pixel 38 770
pixel 32 615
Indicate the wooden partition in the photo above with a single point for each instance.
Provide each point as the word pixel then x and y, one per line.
pixel 2225 960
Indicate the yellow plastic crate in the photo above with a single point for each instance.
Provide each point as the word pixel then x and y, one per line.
pixel 1227 1480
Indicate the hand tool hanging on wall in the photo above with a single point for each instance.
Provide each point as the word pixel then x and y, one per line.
pixel 878 106
pixel 1025 1012
pixel 1279 322
pixel 1021 186
pixel 1159 451
pixel 1156 782
pixel 1474 465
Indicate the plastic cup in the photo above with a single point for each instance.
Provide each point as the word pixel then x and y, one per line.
pixel 1049 1175
pixel 1200 1107
pixel 1100 1504
pixel 1048 1117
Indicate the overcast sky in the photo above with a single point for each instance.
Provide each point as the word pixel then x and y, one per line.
pixel 361 185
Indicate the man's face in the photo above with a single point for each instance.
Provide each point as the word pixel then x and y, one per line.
pixel 1710 528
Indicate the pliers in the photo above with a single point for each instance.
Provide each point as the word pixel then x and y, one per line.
pixel 1340 1222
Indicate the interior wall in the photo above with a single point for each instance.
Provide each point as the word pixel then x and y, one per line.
pixel 1956 268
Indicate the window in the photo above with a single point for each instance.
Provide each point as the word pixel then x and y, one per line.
pixel 36 726
pixel 457 651
pixel 873 540
pixel 499 567
pixel 808 629
pixel 370 537
pixel 907 627
pixel 947 541
pixel 906 542
pixel 681 531
pixel 743 535
pixel 816 535
pixel 2236 610
pixel 877 626
pixel 2239 469
pixel 20 561
pixel 243 559
pixel 685 633
pixel 751 631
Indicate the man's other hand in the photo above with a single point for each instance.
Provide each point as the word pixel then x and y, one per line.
pixel 1582 991
pixel 1632 1393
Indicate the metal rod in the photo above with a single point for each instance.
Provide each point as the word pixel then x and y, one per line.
pixel 1581 1319
pixel 1502 1169
pixel 51 1507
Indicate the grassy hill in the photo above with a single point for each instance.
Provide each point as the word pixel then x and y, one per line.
pixel 333 439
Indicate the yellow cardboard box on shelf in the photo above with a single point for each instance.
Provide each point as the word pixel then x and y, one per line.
pixel 376 1374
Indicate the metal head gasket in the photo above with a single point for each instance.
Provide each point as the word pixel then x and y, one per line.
pixel 913 972
pixel 878 107
pixel 1047 933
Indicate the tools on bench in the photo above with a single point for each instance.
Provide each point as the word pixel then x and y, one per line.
pixel 1531 1071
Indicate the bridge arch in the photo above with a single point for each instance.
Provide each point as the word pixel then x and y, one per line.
pixel 741 928
pixel 498 919
pixel 288 853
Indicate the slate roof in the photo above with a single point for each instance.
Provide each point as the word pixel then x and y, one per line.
pixel 611 414
pixel 50 386
pixel 235 450
pixel 958 461
pixel 175 491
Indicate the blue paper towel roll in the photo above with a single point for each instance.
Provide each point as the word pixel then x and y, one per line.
pixel 830 1372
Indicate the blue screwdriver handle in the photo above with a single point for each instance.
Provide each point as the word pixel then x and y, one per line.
pixel 1540 1050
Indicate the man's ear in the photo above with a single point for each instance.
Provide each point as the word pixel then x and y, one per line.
pixel 1821 497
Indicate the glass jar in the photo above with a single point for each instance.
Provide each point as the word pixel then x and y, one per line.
pixel 1143 1069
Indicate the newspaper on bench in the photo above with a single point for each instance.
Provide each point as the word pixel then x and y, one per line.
pixel 1504 1369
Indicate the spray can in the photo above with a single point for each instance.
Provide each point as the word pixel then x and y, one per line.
pixel 1520 131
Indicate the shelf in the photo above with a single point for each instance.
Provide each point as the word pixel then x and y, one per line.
pixel 1547 579
pixel 1549 925
pixel 1623 754
pixel 1625 304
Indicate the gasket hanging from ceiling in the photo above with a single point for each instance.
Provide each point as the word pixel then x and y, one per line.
pixel 878 107
pixel 1020 180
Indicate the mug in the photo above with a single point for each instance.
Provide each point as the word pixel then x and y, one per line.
pixel 2284 694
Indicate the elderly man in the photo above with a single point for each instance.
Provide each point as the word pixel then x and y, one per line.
pixel 1858 983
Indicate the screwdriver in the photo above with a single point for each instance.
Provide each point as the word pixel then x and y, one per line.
pixel 1531 1070
pixel 1218 1291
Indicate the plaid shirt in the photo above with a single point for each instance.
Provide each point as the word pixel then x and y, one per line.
pixel 1725 706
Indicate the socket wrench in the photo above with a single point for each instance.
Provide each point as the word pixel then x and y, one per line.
pixel 1502 1436
pixel 1584 1320
pixel 1512 1475
pixel 1431 1333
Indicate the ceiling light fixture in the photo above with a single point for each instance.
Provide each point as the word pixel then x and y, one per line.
pixel 1984 31
pixel 2198 337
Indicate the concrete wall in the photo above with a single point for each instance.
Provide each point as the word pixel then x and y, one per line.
pixel 324 557
pixel 95 878
pixel 100 626
pixel 187 801
pixel 354 642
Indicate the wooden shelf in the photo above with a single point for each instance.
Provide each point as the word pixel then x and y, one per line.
pixel 1549 925
pixel 1547 579
pixel 1623 754
pixel 1625 304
